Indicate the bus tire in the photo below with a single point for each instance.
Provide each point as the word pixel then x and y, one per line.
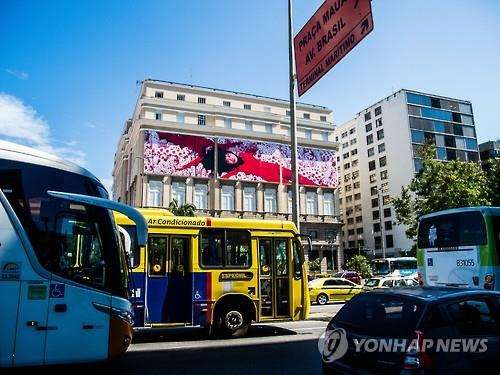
pixel 233 322
pixel 322 299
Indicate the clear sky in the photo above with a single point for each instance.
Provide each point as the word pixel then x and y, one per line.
pixel 68 69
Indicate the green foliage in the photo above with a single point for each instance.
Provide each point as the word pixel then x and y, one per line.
pixel 314 265
pixel 185 209
pixel 439 186
pixel 493 173
pixel 360 264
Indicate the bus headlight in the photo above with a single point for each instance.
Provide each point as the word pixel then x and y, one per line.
pixel 489 282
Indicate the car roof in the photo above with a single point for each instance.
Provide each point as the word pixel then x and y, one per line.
pixel 430 294
pixel 330 278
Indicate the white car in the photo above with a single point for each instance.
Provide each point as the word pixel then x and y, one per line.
pixel 389 282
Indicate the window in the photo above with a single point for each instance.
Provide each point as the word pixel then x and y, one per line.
pixel 247 106
pixel 413 110
pixel 383 175
pixel 352 130
pixel 328 204
pixel 353 141
pixel 225 248
pixel 376 227
pixel 386 199
pixel 388 225
pixel 354 152
pixel 248 125
pixel 359 219
pixel 155 193
pixel 368 116
pixel 417 136
pixel 380 134
pixel 376 215
pixel 373 190
pixel 475 317
pixel 157 251
pixel 348 199
pixel 270 199
pixel 181 97
pixel 346 155
pixel 249 199
pixel 267 109
pixel 378 122
pixel 180 117
pixel 289 199
pixel 355 163
pixel 382 161
pixel 307 116
pixel 158 116
pixel 471 144
pixel 179 192
pixel 308 133
pixel 200 198
pixel 202 100
pixel 387 212
pixel 158 94
pixel 312 203
pixel 348 188
pixel 347 165
pixel 322 118
pixel 269 128
pixel 373 178
pixel 313 234
pixel 227 197
pixel 381 147
pixel 350 232
pixel 369 139
pixel 371 151
pixel 378 245
pixel 202 120
pixel 226 103
pixel 378 111
pixel 375 202
pixel 371 165
pixel 344 134
pixel 350 221
pixel 368 127
pixel 325 136
pixel 355 175
pixel 288 113
pixel 357 196
pixel 228 123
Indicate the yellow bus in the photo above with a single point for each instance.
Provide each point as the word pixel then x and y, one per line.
pixel 217 273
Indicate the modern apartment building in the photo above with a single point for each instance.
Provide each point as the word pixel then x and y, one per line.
pixel 489 150
pixel 379 154
pixel 228 154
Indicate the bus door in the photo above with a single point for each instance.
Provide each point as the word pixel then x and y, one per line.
pixel 169 280
pixel 274 278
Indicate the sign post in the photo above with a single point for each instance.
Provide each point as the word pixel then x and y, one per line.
pixel 293 124
pixel 330 34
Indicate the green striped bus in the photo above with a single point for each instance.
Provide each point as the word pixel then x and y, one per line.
pixel 460 247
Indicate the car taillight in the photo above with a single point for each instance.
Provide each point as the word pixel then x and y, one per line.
pixel 489 282
pixel 416 357
pixel 420 279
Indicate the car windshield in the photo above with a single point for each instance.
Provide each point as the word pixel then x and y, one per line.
pixel 374 314
pixel 372 282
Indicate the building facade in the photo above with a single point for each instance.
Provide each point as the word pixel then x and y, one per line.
pixel 228 154
pixel 379 154
pixel 489 150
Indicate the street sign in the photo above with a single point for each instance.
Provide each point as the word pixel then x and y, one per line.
pixel 334 30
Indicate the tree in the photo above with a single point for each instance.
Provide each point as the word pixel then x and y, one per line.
pixel 440 185
pixel 185 209
pixel 314 265
pixel 360 264
pixel 492 168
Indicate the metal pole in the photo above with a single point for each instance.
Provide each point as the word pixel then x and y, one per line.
pixel 293 125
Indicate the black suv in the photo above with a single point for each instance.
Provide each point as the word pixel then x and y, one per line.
pixel 415 331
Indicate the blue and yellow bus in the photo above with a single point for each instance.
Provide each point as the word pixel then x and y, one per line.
pixel 460 247
pixel 217 273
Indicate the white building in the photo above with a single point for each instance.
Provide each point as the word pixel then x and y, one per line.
pixel 379 155
pixel 171 149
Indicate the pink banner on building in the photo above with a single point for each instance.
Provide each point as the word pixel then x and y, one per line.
pixel 184 155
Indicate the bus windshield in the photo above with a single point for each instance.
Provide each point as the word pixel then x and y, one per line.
pixel 395 266
pixel 452 230
pixel 73 240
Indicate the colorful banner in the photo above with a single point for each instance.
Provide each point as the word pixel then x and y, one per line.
pixel 185 155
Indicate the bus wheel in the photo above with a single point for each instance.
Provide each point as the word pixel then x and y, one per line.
pixel 233 322
pixel 322 299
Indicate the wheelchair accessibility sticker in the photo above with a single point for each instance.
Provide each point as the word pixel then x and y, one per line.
pixel 57 290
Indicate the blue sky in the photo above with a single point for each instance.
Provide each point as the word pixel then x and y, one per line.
pixel 68 69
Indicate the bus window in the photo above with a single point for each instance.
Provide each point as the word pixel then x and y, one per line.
pixel 180 249
pixel 211 248
pixel 157 251
pixel 297 259
pixel 452 230
pixel 134 247
pixel 237 248
pixel 281 258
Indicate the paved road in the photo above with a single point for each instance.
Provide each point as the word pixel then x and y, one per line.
pixel 277 348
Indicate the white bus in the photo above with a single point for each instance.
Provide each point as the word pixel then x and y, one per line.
pixel 398 266
pixel 63 273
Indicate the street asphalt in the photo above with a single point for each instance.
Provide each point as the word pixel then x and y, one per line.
pixel 270 348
